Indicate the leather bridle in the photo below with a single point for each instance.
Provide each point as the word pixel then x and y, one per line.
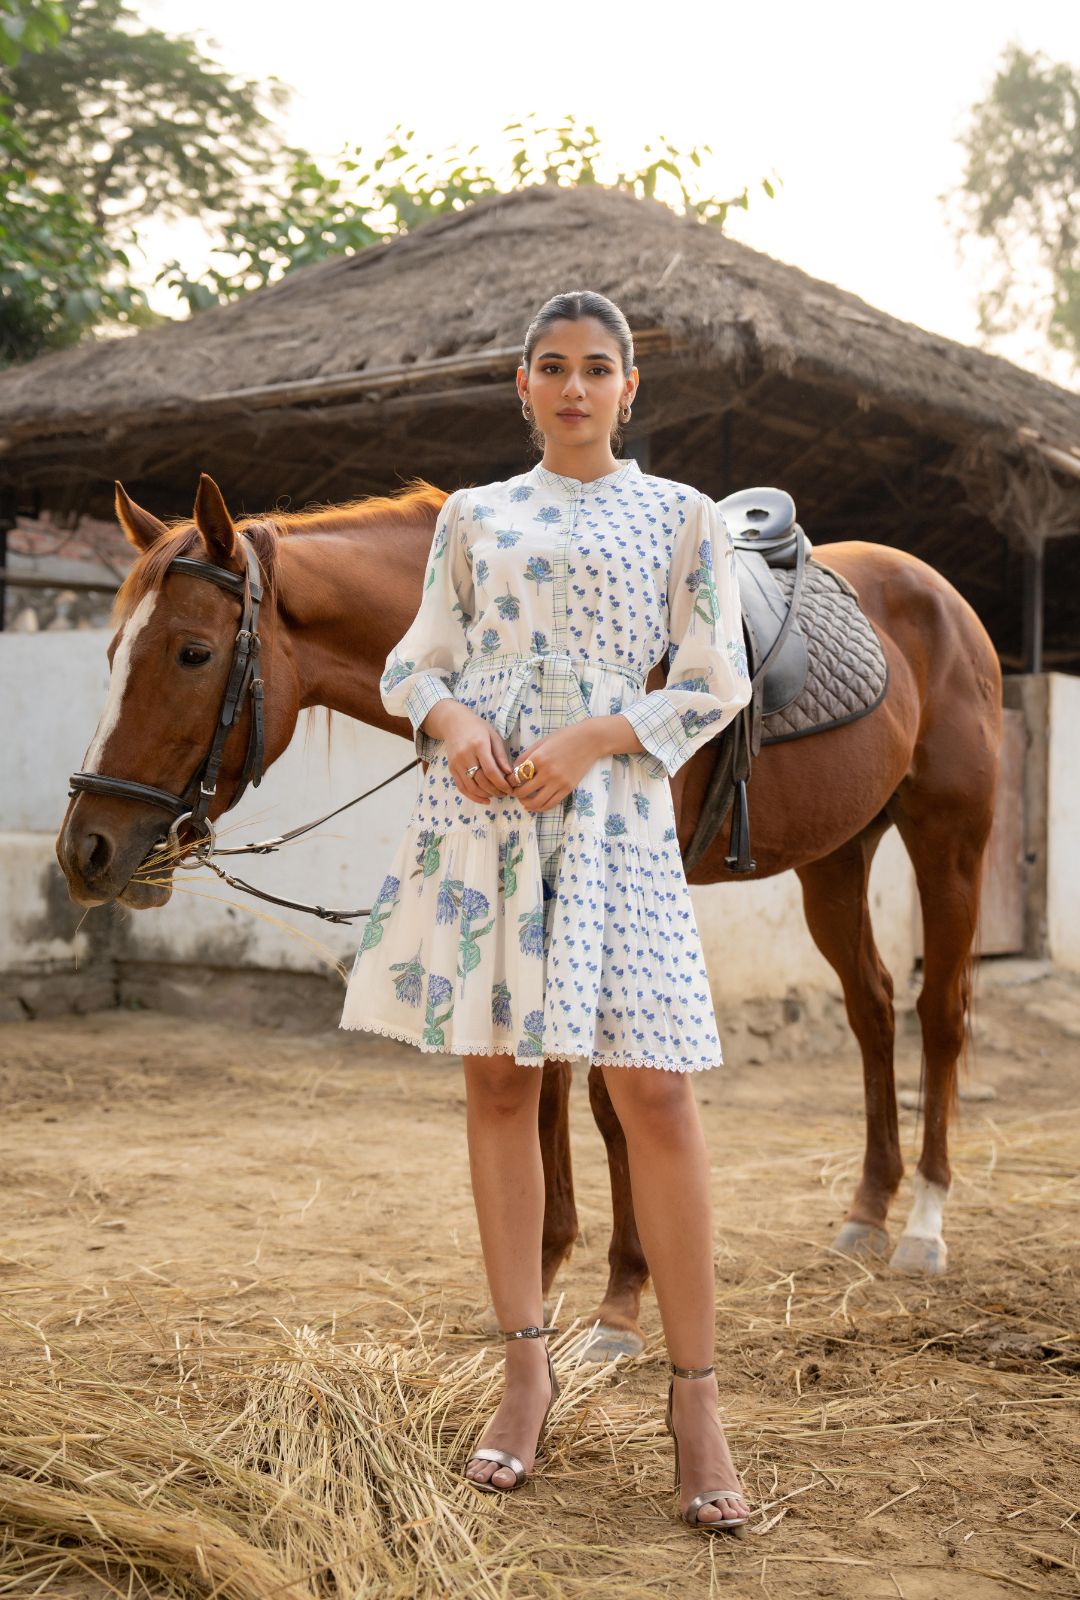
pixel 243 680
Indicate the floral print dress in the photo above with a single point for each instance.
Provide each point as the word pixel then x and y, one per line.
pixel 567 933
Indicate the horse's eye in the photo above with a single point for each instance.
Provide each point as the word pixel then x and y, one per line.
pixel 194 655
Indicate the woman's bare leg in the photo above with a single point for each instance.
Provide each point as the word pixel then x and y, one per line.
pixel 669 1178
pixel 502 1110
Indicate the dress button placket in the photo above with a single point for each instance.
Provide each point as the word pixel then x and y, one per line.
pixel 550 823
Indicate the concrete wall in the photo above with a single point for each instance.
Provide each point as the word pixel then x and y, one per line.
pixel 1063 822
pixel 53 688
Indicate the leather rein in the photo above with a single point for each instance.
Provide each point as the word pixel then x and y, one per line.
pixel 191 807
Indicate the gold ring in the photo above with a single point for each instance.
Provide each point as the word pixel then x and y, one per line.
pixel 525 771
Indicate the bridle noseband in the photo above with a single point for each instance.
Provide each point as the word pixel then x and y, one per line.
pixel 243 679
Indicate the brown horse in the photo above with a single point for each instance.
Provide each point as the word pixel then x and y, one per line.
pixel 342 586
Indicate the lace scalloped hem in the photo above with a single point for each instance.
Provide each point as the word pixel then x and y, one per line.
pixel 484 1047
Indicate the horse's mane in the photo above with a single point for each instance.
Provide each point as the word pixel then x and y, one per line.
pixel 414 505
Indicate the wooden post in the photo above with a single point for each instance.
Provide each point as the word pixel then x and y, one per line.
pixel 7 522
pixel 1033 606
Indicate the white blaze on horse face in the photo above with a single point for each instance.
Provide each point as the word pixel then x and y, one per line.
pixel 928 1212
pixel 118 679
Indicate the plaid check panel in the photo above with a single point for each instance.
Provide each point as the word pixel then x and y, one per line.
pixel 426 691
pixel 659 727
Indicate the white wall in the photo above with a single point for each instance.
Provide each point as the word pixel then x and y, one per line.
pixel 53 688
pixel 1063 822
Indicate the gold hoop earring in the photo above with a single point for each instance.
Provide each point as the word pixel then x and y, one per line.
pixel 624 413
pixel 527 410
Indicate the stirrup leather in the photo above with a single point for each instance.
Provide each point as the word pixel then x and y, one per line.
pixel 692 1372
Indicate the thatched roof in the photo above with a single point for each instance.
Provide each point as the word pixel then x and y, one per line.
pixel 466 285
pixel 354 374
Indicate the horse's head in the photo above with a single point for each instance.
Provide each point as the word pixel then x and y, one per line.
pixel 170 661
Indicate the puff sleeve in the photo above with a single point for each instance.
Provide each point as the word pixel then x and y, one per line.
pixel 423 667
pixel 708 681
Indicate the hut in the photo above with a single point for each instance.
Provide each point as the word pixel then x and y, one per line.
pixel 357 373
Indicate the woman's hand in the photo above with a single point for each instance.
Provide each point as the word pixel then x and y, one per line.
pixel 470 741
pixel 562 758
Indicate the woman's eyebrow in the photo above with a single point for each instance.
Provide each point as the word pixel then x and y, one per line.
pixel 553 355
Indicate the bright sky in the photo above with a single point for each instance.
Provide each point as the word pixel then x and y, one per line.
pixel 855 107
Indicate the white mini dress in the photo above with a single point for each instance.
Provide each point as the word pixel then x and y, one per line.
pixel 567 933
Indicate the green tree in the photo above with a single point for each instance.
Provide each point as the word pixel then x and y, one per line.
pixel 1021 193
pixel 104 124
pixel 372 197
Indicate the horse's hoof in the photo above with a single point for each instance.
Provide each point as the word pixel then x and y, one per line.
pixel 861 1239
pixel 602 1344
pixel 919 1257
pixel 489 1322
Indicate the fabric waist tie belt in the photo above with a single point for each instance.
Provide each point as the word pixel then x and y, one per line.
pixel 562 703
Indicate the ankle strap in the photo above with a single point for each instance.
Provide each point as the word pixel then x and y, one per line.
pixel 527 1333
pixel 692 1372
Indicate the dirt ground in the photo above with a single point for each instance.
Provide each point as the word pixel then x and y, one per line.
pixel 921 1439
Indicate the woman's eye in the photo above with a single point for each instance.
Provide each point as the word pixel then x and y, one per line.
pixel 195 655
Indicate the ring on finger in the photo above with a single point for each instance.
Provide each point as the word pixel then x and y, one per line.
pixel 470 770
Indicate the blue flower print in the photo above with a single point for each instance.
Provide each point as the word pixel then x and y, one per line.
pixel 480 571
pixel 439 990
pixel 500 1005
pixel 539 642
pixel 737 657
pixel 480 512
pixel 489 640
pixel 548 514
pixel 583 803
pixel 409 987
pixel 614 824
pixel 533 1042
pixel 474 905
pixel 508 605
pixel 531 931
pixel 507 538
pixel 387 896
pixel 691 685
pixel 520 491
pixel 448 900
pixel 428 846
pixel 694 721
pixel 641 804
pixel 538 571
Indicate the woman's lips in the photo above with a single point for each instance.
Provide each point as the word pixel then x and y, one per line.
pixel 572 416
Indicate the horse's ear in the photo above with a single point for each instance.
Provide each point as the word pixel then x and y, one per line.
pixel 214 523
pixel 141 527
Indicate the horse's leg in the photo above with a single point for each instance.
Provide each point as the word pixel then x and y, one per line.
pixel 560 1213
pixel 947 853
pixel 838 916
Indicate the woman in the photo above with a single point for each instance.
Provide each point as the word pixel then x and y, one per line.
pixel 537 906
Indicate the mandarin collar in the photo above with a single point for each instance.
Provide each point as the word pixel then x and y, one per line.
pixel 540 476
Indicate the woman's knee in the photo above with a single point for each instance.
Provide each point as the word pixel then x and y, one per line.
pixel 653 1102
pixel 497 1086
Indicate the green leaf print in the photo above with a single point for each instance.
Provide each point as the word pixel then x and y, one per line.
pixel 429 845
pixel 509 860
pixel 474 904
pixel 385 901
pixel 439 989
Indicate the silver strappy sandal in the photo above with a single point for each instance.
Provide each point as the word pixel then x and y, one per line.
pixel 502 1457
pixel 734 1525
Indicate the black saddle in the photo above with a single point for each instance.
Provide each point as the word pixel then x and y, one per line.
pixel 766 535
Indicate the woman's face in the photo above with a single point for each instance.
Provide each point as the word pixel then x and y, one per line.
pixel 576 382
